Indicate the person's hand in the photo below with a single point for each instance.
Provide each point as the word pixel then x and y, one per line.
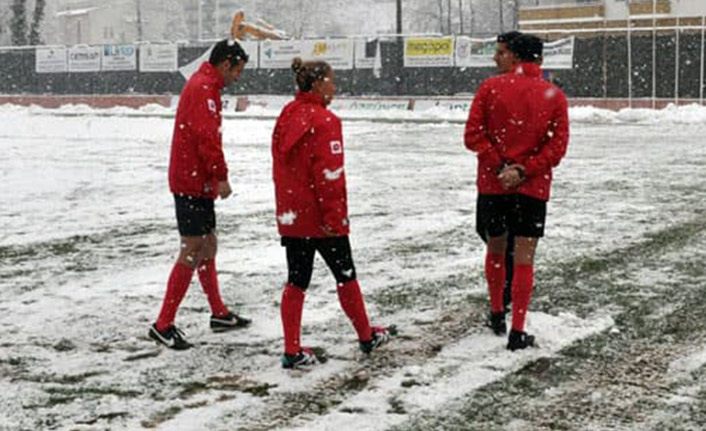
pixel 511 176
pixel 224 189
pixel 328 231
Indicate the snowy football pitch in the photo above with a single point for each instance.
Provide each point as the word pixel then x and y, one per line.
pixel 89 238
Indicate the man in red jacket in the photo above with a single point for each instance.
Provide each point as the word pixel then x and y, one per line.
pixel 198 174
pixel 505 62
pixel 519 128
pixel 312 210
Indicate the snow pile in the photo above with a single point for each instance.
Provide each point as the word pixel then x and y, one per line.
pixel 672 114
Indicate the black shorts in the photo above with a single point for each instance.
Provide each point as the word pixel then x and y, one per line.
pixel 336 252
pixel 515 214
pixel 195 216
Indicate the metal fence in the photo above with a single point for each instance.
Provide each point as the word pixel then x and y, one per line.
pixel 639 63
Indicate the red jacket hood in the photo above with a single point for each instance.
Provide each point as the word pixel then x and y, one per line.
pixel 295 130
pixel 212 74
pixel 528 69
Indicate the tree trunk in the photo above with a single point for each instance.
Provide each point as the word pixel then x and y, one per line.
pixel 441 16
pixel 448 16
pixel 501 13
pixel 34 37
pixel 460 16
pixel 18 23
pixel 515 15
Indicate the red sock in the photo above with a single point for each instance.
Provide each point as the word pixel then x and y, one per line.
pixel 495 275
pixel 209 281
pixel 354 306
pixel 291 312
pixel 522 283
pixel 178 284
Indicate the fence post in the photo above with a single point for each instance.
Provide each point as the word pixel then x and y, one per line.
pixel 701 80
pixel 676 65
pixel 629 60
pixel 654 53
pixel 605 58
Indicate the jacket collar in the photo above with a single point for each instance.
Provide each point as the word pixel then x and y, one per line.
pixel 213 74
pixel 528 69
pixel 309 97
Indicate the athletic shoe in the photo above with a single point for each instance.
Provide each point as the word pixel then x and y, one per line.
pixel 381 335
pixel 170 337
pixel 519 340
pixel 496 322
pixel 303 359
pixel 228 322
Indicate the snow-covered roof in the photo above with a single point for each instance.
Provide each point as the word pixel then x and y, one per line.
pixel 76 12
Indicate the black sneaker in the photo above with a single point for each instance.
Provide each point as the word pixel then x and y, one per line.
pixel 170 337
pixel 228 322
pixel 304 359
pixel 496 322
pixel 381 335
pixel 519 340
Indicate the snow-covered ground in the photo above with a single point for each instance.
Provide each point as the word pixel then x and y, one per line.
pixel 89 238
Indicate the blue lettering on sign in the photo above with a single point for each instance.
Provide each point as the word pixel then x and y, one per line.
pixel 125 50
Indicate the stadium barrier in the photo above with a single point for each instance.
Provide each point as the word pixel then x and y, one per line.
pixel 274 103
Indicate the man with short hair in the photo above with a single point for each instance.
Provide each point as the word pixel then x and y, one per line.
pixel 505 62
pixel 519 128
pixel 198 174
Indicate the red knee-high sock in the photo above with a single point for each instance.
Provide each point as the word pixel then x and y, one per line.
pixel 209 281
pixel 354 306
pixel 291 312
pixel 178 284
pixel 495 275
pixel 522 284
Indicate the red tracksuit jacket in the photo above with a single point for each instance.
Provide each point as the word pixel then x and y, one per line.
pixel 518 118
pixel 196 164
pixel 307 168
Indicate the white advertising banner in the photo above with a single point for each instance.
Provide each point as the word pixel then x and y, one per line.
pixel 443 105
pixel 366 52
pixel 428 52
pixel 50 59
pixel 475 52
pixel 158 57
pixel 119 57
pixel 369 105
pixel 559 54
pixel 479 53
pixel 268 103
pixel 252 49
pixel 83 58
pixel 368 55
pixel 278 54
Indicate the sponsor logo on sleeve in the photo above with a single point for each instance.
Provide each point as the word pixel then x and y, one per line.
pixel 336 147
pixel 212 106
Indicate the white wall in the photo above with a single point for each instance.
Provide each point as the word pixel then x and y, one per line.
pixel 616 9
pixel 689 7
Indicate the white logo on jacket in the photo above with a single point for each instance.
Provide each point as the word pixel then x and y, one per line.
pixel 333 175
pixel 336 147
pixel 212 106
